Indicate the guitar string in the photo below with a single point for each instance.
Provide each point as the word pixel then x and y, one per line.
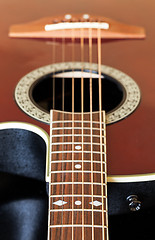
pixel 73 53
pixel 91 118
pixel 82 91
pixel 82 111
pixel 51 218
pixel 100 117
pixel 63 106
pixel 105 171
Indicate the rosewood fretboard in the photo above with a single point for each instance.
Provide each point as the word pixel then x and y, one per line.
pixel 78 185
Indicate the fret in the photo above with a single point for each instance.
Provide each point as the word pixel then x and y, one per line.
pixel 74 171
pixel 76 210
pixel 77 195
pixel 66 143
pixel 75 135
pixel 75 121
pixel 78 128
pixel 67 161
pixel 77 225
pixel 75 152
pixel 85 183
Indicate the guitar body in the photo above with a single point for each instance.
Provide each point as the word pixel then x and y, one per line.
pixel 130 141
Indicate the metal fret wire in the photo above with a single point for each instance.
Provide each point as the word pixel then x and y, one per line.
pixel 87 161
pixel 86 183
pixel 77 225
pixel 76 128
pixel 87 135
pixel 76 121
pixel 85 143
pixel 70 151
pixel 76 195
pixel 76 171
pixel 76 210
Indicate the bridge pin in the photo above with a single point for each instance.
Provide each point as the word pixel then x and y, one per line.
pixel 68 16
pixel 86 16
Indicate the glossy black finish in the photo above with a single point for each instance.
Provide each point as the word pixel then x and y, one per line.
pixel 22 153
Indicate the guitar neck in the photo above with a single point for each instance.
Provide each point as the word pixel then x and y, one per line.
pixel 78 180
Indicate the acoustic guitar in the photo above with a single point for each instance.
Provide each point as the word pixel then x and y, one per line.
pixel 100 116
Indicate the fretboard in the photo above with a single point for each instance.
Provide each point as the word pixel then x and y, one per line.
pixel 78 180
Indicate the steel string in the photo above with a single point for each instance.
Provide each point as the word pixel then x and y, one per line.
pixel 63 108
pixel 91 119
pixel 82 112
pixel 100 116
pixel 73 54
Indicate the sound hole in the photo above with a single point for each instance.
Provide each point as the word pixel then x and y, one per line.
pixel 41 93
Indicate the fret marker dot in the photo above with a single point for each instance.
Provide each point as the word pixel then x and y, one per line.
pixel 78 203
pixel 77 166
pixel 78 147
pixel 96 203
pixel 68 16
pixel 60 203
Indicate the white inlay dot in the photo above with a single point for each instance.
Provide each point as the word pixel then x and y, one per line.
pixel 77 203
pixel 96 203
pixel 77 166
pixel 68 16
pixel 78 147
pixel 85 16
pixel 60 203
